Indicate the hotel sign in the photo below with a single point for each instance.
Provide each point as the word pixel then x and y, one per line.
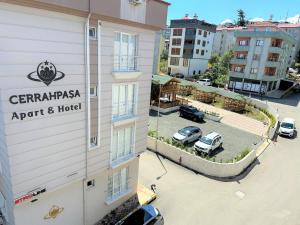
pixel 46 73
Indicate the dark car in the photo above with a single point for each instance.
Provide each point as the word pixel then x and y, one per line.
pixel 145 215
pixel 191 112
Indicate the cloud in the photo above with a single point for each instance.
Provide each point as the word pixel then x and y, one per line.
pixel 256 19
pixel 294 19
pixel 227 21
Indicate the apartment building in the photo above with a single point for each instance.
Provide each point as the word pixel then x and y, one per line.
pixel 224 39
pixel 262 55
pixel 293 30
pixel 191 43
pixel 75 80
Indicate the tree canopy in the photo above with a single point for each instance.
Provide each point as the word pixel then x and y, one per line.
pixel 241 18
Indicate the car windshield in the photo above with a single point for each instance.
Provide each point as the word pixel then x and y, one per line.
pixel 194 110
pixel 287 125
pixel 137 218
pixel 184 132
pixel 206 140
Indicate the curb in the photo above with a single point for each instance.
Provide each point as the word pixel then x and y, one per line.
pixel 262 147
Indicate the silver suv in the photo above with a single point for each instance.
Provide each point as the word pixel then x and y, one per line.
pixel 209 143
pixel 187 135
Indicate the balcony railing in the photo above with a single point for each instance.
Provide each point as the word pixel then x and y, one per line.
pixel 125 63
pixel 123 110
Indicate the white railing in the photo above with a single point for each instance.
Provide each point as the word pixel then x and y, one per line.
pixel 125 63
pixel 123 109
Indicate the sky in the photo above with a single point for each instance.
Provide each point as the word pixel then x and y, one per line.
pixel 216 11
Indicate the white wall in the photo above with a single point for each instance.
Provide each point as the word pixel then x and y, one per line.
pixel 70 198
pixel 135 13
pixel 45 149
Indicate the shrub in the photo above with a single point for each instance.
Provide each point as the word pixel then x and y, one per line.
pixel 242 154
pixel 152 133
pixel 270 116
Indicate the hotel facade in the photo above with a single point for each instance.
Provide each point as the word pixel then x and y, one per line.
pixel 75 80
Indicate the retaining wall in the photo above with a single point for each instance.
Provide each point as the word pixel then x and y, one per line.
pixel 196 163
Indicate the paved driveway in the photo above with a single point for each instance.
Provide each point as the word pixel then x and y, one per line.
pixel 235 140
pixel 268 194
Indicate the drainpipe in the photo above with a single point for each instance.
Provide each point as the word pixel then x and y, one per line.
pixel 87 85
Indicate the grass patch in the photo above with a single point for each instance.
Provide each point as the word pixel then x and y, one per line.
pixel 219 102
pixel 254 113
pixel 270 116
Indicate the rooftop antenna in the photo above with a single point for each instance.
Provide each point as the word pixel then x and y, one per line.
pixel 287 14
pixel 271 18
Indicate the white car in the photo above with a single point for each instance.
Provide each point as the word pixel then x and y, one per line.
pixel 206 82
pixel 207 144
pixel 287 127
pixel 187 135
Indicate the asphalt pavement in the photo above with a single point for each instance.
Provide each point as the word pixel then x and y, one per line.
pixel 268 193
pixel 235 140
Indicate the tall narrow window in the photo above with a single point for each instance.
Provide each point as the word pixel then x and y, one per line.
pixel 124 100
pixel 125 52
pixel 122 144
pixel 118 184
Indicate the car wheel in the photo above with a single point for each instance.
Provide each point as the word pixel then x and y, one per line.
pixel 185 142
pixel 221 145
pixel 195 119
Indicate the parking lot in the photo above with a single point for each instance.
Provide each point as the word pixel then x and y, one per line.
pixel 235 140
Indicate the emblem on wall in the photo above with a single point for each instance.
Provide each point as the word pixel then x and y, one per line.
pixel 46 72
pixel 53 212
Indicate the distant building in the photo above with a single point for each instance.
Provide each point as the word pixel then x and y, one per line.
pixel 166 33
pixel 191 43
pixel 224 39
pixel 263 53
pixel 294 30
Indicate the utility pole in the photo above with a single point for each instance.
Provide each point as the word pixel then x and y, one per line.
pixel 158 115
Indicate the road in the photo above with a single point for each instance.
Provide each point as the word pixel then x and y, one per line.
pixel 267 194
pixel 171 123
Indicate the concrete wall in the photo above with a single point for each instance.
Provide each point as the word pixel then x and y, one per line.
pixel 201 165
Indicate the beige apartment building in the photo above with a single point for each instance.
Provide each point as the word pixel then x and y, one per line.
pixel 75 79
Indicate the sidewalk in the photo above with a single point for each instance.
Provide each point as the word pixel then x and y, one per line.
pixel 234 119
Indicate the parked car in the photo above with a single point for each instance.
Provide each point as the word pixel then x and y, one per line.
pixel 187 135
pixel 207 144
pixel 144 215
pixel 191 112
pixel 287 127
pixel 206 82
pixel 178 75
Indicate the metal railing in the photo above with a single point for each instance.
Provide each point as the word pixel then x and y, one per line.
pixel 123 109
pixel 125 63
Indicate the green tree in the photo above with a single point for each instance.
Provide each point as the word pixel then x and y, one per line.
pixel 241 18
pixel 219 69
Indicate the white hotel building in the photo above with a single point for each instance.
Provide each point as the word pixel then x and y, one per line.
pixel 190 48
pixel 75 80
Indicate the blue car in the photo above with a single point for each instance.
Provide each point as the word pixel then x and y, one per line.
pixel 144 215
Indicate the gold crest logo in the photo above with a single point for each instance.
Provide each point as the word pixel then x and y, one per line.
pixel 54 212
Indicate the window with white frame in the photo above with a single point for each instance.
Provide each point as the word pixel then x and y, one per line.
pixel 93 32
pixel 253 70
pixel 94 141
pixel 122 143
pixel 185 62
pixel 259 42
pixel 124 100
pixel 93 91
pixel 125 52
pixel 118 184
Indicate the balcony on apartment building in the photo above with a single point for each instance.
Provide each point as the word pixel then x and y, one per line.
pixel 188 53
pixel 242 44
pixel 189 44
pixel 276 45
pixel 237 70
pixel 272 60
pixel 270 71
pixel 239 58
pixel 190 33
